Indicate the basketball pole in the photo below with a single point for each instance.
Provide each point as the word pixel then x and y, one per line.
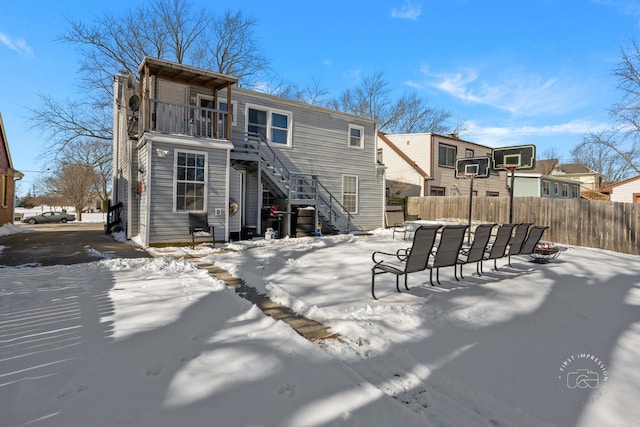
pixel 512 170
pixel 470 209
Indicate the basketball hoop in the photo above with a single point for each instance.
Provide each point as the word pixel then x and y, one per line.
pixel 466 175
pixel 508 166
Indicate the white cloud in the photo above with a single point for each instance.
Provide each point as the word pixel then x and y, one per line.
pixel 18 45
pixel 407 11
pixel 496 136
pixel 515 91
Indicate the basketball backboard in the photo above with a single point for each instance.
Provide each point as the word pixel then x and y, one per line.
pixel 521 157
pixel 478 166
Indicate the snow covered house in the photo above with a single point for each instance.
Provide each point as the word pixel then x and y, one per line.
pixel 189 140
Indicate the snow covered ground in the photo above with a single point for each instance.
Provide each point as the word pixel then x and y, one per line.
pixel 160 343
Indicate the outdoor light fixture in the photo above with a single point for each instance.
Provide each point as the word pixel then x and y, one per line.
pixel 161 152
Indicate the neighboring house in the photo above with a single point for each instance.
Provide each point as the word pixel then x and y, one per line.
pixel 423 164
pixel 627 191
pixel 589 179
pixel 539 185
pixel 188 140
pixel 8 177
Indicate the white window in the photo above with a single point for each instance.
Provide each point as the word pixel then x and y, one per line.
pixel 576 191
pixel 356 136
pixel 222 106
pixel 190 181
pixel 273 125
pixel 545 188
pixel 204 119
pixel 350 193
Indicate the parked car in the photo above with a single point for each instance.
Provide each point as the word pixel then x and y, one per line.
pixel 47 217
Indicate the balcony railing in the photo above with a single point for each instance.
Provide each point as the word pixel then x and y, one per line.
pixel 190 120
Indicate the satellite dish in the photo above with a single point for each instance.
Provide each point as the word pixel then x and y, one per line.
pixel 131 81
pixel 134 103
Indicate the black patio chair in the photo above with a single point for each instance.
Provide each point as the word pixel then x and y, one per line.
pixel 476 251
pixel 405 261
pixel 535 234
pixel 446 255
pixel 519 236
pixel 498 248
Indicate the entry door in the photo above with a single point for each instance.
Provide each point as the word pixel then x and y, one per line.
pixel 172 116
pixel 636 198
pixel 235 195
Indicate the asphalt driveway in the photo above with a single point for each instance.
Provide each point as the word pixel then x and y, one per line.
pixel 71 243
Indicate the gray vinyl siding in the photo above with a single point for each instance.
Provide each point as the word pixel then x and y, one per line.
pixel 167 225
pixel 319 146
pixel 142 197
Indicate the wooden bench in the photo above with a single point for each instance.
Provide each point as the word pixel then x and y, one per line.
pixel 199 223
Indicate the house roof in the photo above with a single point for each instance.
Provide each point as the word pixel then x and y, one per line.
pixel 574 168
pixel 404 157
pixel 186 74
pixel 610 187
pixel 544 166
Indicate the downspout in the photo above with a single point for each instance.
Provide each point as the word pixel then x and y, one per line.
pixel 17 176
pixel 227 198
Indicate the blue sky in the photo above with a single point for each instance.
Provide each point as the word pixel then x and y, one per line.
pixel 517 72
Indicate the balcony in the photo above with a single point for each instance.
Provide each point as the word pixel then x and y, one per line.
pixel 188 120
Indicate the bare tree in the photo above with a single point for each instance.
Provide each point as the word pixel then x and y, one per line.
pixel 168 29
pixel 601 153
pixel 96 155
pixel 231 48
pixel 409 114
pixel 74 184
pixel 627 110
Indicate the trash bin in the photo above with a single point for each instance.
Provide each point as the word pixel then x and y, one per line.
pixel 306 222
pixel 248 232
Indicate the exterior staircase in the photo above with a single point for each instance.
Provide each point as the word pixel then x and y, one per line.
pixel 593 195
pixel 299 189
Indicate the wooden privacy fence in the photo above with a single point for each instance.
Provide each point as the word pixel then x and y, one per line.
pixel 612 226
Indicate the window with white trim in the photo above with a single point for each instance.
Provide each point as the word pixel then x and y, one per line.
pixel 273 125
pixel 575 191
pixel 565 190
pixel 356 136
pixel 350 193
pixel 190 181
pixel 222 107
pixel 545 188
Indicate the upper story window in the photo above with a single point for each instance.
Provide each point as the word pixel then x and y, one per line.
pixel 273 125
pixel 468 152
pixel 356 136
pixel 446 155
pixel 190 181
pixel 565 190
pixel 222 106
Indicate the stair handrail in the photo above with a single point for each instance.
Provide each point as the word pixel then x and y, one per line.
pixel 330 205
pixel 262 142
